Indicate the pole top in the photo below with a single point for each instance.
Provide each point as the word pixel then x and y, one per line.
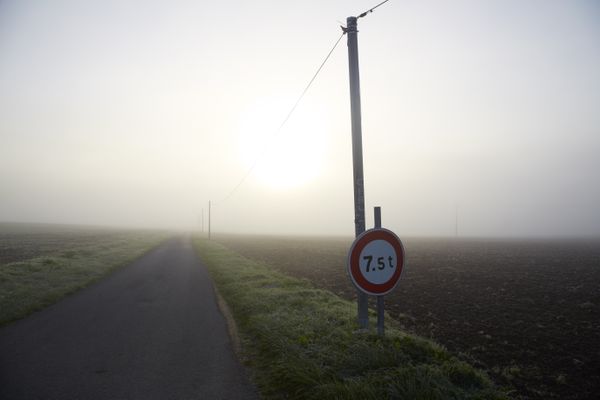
pixel 351 24
pixel 377 210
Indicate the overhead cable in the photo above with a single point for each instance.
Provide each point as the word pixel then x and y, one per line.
pixel 285 120
pixel 371 10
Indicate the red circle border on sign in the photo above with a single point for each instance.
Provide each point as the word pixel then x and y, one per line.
pixel 354 262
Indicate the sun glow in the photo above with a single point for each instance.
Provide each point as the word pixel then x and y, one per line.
pixel 286 158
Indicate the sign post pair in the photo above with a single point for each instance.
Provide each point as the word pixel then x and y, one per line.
pixel 375 263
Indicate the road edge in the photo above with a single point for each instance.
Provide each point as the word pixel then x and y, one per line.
pixel 231 325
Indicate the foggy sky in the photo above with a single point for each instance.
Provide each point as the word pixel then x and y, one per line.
pixel 131 114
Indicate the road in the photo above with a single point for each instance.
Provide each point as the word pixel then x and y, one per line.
pixel 151 330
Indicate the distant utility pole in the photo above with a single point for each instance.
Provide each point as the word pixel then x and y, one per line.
pixel 203 220
pixel 357 158
pixel 209 220
pixel 456 222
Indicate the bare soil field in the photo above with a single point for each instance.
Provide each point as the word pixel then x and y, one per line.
pixel 527 311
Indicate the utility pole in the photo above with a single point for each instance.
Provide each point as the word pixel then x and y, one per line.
pixel 456 222
pixel 357 159
pixel 209 220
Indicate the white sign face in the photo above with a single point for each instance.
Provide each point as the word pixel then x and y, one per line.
pixel 375 261
pixel 378 262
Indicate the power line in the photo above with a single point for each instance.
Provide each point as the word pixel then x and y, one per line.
pixel 289 114
pixel 285 120
pixel 371 9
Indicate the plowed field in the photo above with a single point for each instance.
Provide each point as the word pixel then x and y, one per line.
pixel 527 311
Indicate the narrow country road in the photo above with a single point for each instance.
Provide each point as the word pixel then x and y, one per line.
pixel 151 330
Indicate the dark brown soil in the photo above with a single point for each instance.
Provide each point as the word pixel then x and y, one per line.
pixel 527 311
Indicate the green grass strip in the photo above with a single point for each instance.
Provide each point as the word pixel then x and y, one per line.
pixel 304 343
pixel 33 284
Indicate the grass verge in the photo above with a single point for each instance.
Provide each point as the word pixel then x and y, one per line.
pixel 303 343
pixel 33 284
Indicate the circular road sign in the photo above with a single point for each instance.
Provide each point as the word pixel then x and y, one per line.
pixel 375 261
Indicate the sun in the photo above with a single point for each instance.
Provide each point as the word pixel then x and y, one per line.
pixel 288 157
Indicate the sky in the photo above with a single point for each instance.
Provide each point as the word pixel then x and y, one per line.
pixel 478 117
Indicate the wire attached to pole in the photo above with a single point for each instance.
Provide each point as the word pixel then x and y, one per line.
pixel 371 10
pixel 285 120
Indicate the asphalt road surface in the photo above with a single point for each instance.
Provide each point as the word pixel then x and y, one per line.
pixel 151 330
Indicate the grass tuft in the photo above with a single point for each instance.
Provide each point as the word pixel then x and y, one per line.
pixel 304 343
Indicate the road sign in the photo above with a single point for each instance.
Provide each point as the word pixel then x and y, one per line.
pixel 375 261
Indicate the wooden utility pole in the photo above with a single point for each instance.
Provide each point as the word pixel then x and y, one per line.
pixel 209 220
pixel 357 159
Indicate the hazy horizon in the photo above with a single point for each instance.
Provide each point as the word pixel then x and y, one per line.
pixel 138 113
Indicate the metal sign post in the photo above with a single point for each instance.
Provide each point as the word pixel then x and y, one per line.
pixel 380 300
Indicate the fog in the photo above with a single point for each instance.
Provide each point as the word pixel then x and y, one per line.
pixel 478 117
